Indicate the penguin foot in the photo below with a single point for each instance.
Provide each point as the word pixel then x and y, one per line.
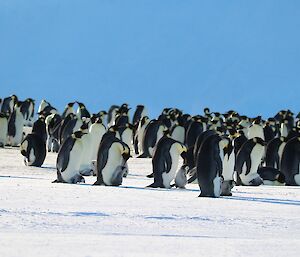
pixel 143 155
pixel 98 183
pixel 155 185
pixel 256 181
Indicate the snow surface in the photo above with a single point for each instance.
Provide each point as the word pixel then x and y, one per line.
pixel 38 218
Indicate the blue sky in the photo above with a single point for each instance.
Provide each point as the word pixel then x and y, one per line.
pixel 242 55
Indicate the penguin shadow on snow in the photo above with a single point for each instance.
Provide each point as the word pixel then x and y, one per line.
pixel 264 200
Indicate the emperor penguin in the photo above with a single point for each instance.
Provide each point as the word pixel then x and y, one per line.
pixel 82 111
pixel 248 160
pixel 8 104
pixel 153 132
pixel 284 128
pixel 53 124
pixel 3 128
pixel 270 130
pixel 27 109
pixel 33 148
pixel 96 132
pixel 39 128
pixel 73 125
pixel 111 117
pixel 196 127
pixel 68 109
pixel 256 129
pixel 139 113
pixel 178 132
pixel 290 162
pixel 86 168
pixel 122 118
pixel 69 158
pixel 209 167
pixel 43 105
pixel 273 156
pixel 228 167
pixel 111 161
pixel 126 134
pixel 140 133
pixel 165 161
pixel 45 108
pixel 271 176
pixel 192 153
pixel 15 126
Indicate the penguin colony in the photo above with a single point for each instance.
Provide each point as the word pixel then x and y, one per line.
pixel 218 150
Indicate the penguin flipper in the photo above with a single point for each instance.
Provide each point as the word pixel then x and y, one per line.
pixel 150 175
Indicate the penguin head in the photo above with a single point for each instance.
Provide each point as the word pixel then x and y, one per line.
pixel 78 134
pixel 258 140
pixel 71 104
pixel 102 113
pixel 84 127
pixel 144 120
pixel 282 139
pixel 206 110
pixel 181 147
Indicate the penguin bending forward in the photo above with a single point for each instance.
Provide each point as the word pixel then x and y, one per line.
pixel 33 148
pixel 165 162
pixel 111 161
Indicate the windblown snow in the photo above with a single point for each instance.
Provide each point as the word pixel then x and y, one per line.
pixel 39 218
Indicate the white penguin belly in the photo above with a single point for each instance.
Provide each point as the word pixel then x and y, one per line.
pixel 114 160
pixel 74 162
pixel 86 157
pixel 127 138
pixel 19 123
pixel 228 167
pixel 256 131
pixel 96 133
pixel 178 134
pixel 168 177
pixel 255 156
pixel 3 130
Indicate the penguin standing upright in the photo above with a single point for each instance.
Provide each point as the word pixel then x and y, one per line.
pixel 248 160
pixel 27 109
pixel 209 167
pixel 53 124
pixel 69 158
pixel 111 161
pixel 272 158
pixel 139 113
pixel 3 128
pixel 126 134
pixel 153 132
pixel 15 126
pixel 86 155
pixel 8 104
pixel 82 111
pixel 256 129
pixel 111 117
pixel 68 109
pixel 96 132
pixel 138 142
pixel 228 169
pixel 290 162
pixel 165 161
